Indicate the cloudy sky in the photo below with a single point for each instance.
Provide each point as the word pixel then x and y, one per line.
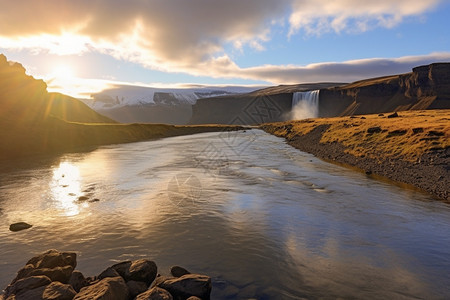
pixel 82 46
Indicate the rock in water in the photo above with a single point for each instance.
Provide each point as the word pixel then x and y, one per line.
pixel 188 285
pixel 178 271
pixel 19 226
pixel 155 293
pixel 111 288
pixel 58 291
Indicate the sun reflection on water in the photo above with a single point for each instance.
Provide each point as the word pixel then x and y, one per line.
pixel 66 188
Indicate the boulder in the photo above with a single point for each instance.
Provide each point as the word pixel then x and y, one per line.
pixel 53 258
pixel 61 274
pixel 188 285
pixel 136 287
pixel 111 288
pixel 58 291
pixel 139 270
pixel 375 129
pixel 109 272
pixel 26 284
pixel 155 293
pixel 19 226
pixel 178 271
pixel 77 281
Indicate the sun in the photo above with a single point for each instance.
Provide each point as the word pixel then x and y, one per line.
pixel 63 73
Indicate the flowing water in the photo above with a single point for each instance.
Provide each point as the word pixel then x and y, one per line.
pixel 264 220
pixel 305 105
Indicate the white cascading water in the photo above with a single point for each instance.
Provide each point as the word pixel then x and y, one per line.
pixel 305 105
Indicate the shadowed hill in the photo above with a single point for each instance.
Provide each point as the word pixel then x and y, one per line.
pixel 33 121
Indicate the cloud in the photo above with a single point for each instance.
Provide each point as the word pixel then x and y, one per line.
pixel 318 16
pixel 191 36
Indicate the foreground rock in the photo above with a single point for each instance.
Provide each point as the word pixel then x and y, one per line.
pixel 51 276
pixel 19 226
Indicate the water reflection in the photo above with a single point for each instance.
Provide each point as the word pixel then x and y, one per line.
pixel 65 187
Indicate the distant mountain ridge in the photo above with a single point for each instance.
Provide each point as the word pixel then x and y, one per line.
pixel 130 104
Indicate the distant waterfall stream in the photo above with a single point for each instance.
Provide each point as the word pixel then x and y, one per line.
pixel 305 105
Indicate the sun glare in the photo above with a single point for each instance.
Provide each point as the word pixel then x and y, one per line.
pixel 63 72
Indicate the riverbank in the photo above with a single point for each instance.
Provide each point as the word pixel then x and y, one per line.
pixel 411 147
pixel 54 135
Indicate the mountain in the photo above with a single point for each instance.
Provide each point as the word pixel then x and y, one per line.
pixel 33 121
pixel 426 87
pixel 129 104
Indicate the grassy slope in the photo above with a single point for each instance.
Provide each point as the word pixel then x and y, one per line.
pixel 406 137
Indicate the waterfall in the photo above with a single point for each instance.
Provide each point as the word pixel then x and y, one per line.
pixel 305 105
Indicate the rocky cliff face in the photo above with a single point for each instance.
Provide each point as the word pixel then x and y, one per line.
pixel 426 87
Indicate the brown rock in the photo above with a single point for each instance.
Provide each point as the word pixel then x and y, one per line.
pixel 178 271
pixel 136 287
pixel 19 226
pixel 26 284
pixel 188 285
pixel 58 291
pixel 142 270
pixel 61 274
pixel 53 258
pixel 77 281
pixel 155 293
pixel 111 288
pixel 110 272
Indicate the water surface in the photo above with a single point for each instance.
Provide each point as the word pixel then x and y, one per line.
pixel 266 221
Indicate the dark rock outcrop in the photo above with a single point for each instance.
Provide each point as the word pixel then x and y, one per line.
pixel 41 278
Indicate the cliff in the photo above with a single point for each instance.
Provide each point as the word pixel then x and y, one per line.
pixel 271 104
pixel 426 87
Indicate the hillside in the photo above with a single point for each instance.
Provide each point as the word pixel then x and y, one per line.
pixel 33 121
pixel 413 148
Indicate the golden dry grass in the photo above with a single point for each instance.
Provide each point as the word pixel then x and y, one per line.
pixel 408 136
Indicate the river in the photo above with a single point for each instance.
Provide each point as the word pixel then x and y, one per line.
pixel 263 219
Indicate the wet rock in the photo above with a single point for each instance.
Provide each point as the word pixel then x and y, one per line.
pixel 394 115
pixel 77 281
pixel 136 287
pixel 178 271
pixel 58 291
pixel 188 285
pixel 83 198
pixel 139 270
pixel 26 284
pixel 155 293
pixel 111 288
pixel 122 267
pixel 54 258
pixel 19 226
pixel 110 272
pixel 61 274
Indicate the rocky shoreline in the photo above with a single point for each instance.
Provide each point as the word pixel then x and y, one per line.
pixel 429 172
pixel 52 276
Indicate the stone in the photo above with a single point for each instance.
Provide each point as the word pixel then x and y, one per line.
pixel 111 288
pixel 61 274
pixel 139 270
pixel 26 284
pixel 155 293
pixel 178 271
pixel 136 287
pixel 122 267
pixel 109 272
pixel 77 281
pixel 394 115
pixel 54 258
pixel 188 285
pixel 34 294
pixel 58 291
pixel 19 226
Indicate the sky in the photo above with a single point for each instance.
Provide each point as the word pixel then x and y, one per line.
pixel 82 47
